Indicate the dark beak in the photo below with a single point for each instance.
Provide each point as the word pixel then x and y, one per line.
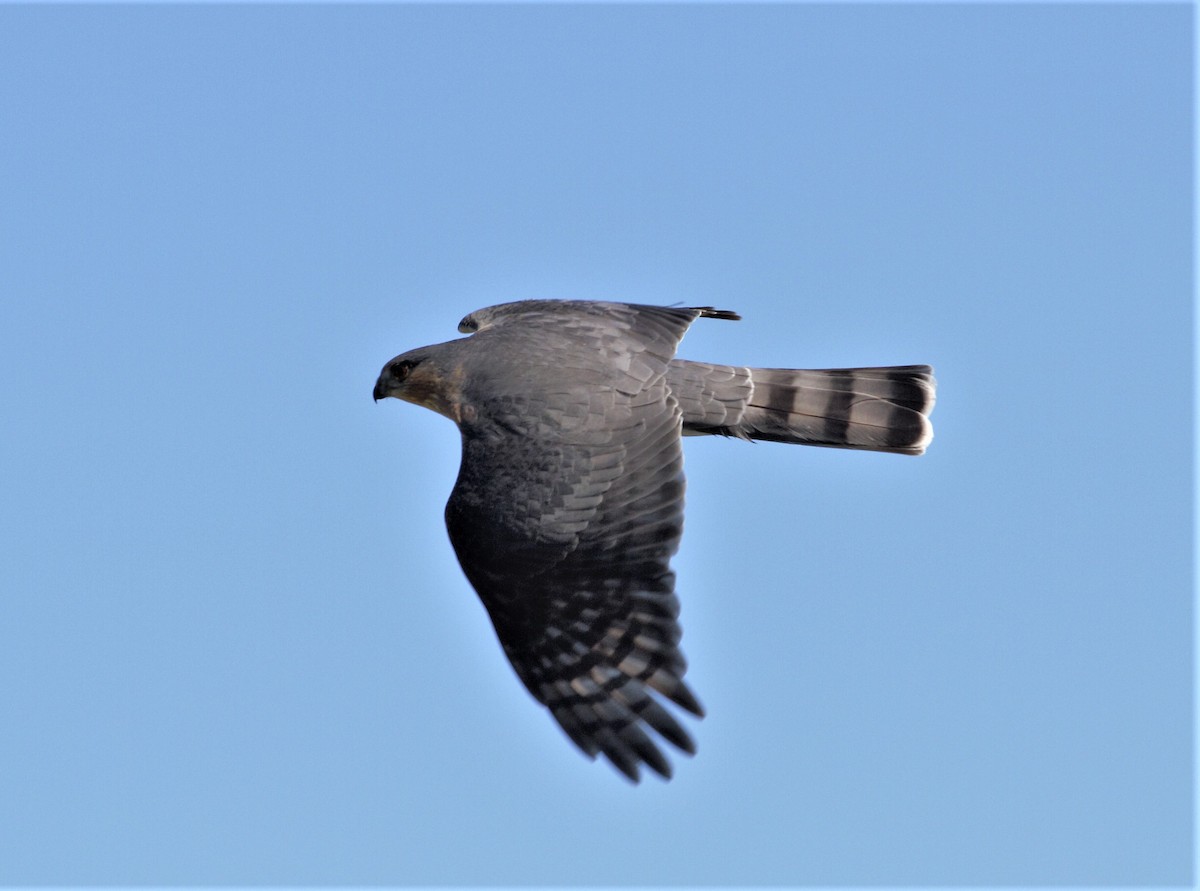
pixel 378 392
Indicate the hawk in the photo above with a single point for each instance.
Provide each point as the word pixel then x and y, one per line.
pixel 569 500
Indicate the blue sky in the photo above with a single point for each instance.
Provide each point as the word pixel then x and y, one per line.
pixel 235 646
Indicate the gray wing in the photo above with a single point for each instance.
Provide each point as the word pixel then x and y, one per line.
pixel 567 509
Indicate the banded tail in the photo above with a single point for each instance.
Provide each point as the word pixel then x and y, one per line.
pixel 876 409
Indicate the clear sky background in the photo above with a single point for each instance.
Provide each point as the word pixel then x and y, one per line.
pixel 235 646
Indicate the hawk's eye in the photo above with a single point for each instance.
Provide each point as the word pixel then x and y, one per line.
pixel 401 369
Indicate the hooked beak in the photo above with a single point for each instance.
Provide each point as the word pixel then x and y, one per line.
pixel 378 392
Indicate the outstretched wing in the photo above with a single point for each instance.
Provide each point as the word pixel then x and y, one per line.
pixel 567 509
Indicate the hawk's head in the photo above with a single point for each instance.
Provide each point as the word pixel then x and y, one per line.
pixel 423 378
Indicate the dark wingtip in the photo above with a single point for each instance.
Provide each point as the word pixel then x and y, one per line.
pixel 627 769
pixel 655 760
pixel 711 312
pixel 685 698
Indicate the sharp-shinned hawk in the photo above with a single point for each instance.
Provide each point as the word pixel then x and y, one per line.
pixel 569 499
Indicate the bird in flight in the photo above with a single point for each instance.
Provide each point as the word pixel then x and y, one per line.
pixel 569 500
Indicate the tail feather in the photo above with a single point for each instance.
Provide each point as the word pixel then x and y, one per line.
pixel 878 409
